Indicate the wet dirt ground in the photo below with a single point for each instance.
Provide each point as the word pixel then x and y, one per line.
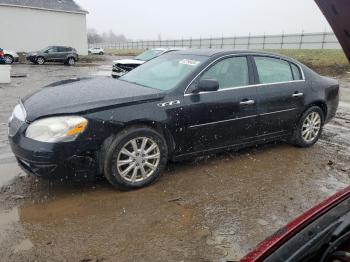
pixel 213 208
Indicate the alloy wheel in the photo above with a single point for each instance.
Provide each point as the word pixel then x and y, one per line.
pixel 311 127
pixel 138 159
pixel 40 61
pixel 8 59
pixel 71 61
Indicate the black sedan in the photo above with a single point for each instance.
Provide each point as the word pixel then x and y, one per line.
pixel 178 105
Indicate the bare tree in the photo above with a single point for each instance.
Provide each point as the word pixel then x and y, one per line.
pixel 106 37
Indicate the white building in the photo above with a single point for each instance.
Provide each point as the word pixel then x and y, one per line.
pixel 31 25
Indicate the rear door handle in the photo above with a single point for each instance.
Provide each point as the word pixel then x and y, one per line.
pixel 297 94
pixel 247 102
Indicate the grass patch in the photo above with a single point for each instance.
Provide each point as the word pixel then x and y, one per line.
pixel 123 52
pixel 324 61
pixel 91 59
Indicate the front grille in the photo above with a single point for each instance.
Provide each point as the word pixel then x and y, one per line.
pixel 14 125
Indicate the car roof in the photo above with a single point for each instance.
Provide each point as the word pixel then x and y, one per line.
pixel 217 52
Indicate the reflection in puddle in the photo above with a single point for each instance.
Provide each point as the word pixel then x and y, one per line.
pixel 8 172
pixel 10 226
pixel 7 221
pixel 23 246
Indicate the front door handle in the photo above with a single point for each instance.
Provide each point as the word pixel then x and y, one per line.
pixel 247 102
pixel 297 94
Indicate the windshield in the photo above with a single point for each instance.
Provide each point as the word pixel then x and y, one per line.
pixel 148 55
pixel 164 72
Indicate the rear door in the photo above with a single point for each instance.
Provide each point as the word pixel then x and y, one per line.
pixel 227 116
pixel 63 52
pixel 280 91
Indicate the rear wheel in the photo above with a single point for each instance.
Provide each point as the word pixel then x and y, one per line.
pixel 135 158
pixel 8 59
pixel 71 61
pixel 40 60
pixel 309 127
pixel 101 53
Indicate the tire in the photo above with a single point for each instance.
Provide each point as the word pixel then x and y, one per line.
pixel 71 61
pixel 309 127
pixel 147 171
pixel 101 53
pixel 40 60
pixel 8 59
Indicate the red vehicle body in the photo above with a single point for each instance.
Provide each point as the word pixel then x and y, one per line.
pixel 2 58
pixel 337 12
pixel 270 245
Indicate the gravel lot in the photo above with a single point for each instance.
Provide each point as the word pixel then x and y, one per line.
pixel 213 208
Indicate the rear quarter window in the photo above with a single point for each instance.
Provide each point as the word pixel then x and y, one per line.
pixel 296 72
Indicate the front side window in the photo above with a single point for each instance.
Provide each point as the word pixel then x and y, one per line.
pixel 164 72
pixel 230 72
pixel 52 50
pixel 273 70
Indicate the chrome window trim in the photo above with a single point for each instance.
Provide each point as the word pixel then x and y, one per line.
pixel 239 87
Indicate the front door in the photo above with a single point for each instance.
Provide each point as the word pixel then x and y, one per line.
pixel 227 116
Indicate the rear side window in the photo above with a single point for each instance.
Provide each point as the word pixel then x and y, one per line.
pixel 296 72
pixel 230 72
pixel 272 70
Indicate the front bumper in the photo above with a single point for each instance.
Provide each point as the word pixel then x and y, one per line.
pixel 16 59
pixel 55 160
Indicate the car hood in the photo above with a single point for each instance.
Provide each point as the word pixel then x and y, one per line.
pixel 129 61
pixel 337 14
pixel 84 95
pixel 8 52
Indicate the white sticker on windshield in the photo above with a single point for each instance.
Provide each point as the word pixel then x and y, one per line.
pixel 189 62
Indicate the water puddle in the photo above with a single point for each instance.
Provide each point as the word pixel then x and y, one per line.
pixel 104 70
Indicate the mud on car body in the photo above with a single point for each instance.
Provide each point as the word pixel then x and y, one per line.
pixel 176 106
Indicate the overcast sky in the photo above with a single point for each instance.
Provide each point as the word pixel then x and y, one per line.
pixel 185 18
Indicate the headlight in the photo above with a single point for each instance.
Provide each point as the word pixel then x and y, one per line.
pixel 57 129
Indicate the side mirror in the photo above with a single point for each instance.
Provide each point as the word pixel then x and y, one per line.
pixel 207 85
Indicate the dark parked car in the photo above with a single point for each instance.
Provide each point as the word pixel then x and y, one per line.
pixel 321 234
pixel 64 54
pixel 175 106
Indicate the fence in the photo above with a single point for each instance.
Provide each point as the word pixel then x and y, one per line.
pixel 325 40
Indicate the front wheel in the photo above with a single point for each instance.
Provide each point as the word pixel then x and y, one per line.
pixel 309 127
pixel 135 158
pixel 40 60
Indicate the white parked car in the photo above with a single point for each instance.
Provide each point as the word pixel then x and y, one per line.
pixel 10 57
pixel 96 51
pixel 121 67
